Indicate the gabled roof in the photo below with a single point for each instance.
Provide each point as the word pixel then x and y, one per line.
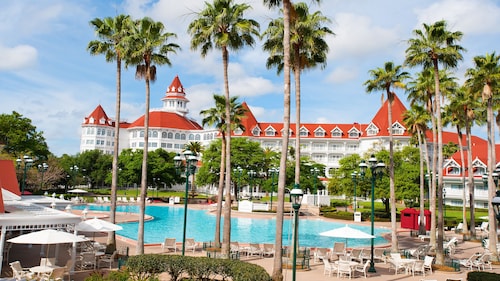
pixel 97 115
pixel 163 119
pixel 8 180
pixel 248 121
pixel 381 118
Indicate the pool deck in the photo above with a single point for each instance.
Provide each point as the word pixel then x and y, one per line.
pixel 464 250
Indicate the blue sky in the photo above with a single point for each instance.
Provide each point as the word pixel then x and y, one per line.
pixel 47 75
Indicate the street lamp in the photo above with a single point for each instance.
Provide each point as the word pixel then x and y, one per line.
pixel 238 171
pixel 315 172
pixel 251 176
pixel 42 168
pixel 354 176
pixel 190 169
pixel 74 171
pixel 376 168
pixel 273 172
pixel 296 195
pixel 28 161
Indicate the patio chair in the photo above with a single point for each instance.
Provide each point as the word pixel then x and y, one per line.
pixel 339 248
pixel 344 269
pixel 191 244
pixel 108 260
pixel 428 263
pixel 483 227
pixel 18 272
pixel 357 255
pixel 319 254
pixel 254 250
pixel 418 266
pixel 397 263
pixel 362 268
pixel 56 274
pixel 169 244
pixel 482 261
pixel 329 267
pixel 268 250
pixel 379 254
pixel 469 263
pixel 87 260
pixel 48 261
pixel 459 228
pixel 420 251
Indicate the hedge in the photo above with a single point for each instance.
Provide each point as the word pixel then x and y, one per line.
pixel 482 276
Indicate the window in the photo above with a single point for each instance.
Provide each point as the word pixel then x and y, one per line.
pixel 191 137
pixel 319 133
pixel 197 137
pixel 334 157
pixel 141 144
pixel 256 131
pixel 304 132
pixel 270 132
pixel 397 129
pixel 177 136
pixel 169 145
pixel 153 144
pixel 319 146
pixel 141 134
pixel 183 136
pixel 335 146
pixel 319 157
pixel 170 135
pixel 155 134
pixel 453 171
pixel 163 145
pixel 164 135
pixel 134 134
pixel 353 134
pixel 352 147
pixel 337 133
pixel 238 132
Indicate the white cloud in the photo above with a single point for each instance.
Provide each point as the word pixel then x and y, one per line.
pixel 469 17
pixel 342 74
pixel 17 57
pixel 357 36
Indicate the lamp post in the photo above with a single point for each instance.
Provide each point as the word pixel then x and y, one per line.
pixel 238 171
pixel 251 176
pixel 315 172
pixel 190 169
pixel 376 168
pixel 28 161
pixel 74 170
pixel 273 172
pixel 42 168
pixel 296 194
pixel 354 176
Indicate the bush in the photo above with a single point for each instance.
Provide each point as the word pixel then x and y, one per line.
pixel 482 276
pixel 146 267
pixel 174 266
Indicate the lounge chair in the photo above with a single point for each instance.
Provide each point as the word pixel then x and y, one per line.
pixel 20 273
pixel 469 263
pixel 190 244
pixel 320 254
pixel 379 254
pixel 459 228
pixel 357 255
pixel 483 227
pixel 339 248
pixel 420 251
pixel 268 250
pixel 254 250
pixel 483 261
pixel 169 244
pixel 109 260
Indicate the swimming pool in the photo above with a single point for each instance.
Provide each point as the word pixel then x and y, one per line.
pixel 168 220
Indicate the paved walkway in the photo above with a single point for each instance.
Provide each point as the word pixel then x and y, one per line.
pixel 464 250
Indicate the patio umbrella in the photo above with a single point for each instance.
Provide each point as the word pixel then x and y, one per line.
pixel 97 225
pixel 47 237
pixel 347 232
pixel 77 190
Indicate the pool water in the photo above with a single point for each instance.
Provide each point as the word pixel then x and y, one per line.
pixel 168 222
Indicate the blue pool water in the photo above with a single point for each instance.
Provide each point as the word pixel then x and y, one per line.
pixel 168 221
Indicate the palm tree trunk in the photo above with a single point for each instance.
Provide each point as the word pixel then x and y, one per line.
pixel 439 248
pixel 392 190
pixel 220 191
pixel 114 177
pixel 296 72
pixel 433 177
pixel 470 177
pixel 277 274
pixel 471 229
pixel 492 235
pixel 144 171
pixel 226 237
pixel 421 226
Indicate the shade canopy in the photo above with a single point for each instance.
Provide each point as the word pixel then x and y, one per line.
pixel 77 190
pixel 47 236
pixel 97 225
pixel 347 232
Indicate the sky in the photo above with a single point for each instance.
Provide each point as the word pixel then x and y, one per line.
pixel 48 76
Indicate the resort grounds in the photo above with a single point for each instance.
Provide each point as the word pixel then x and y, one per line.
pixel 464 250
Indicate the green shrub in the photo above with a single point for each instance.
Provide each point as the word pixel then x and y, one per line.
pixel 243 271
pixel 146 267
pixel 174 266
pixel 482 276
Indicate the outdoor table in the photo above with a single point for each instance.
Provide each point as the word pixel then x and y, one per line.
pixel 41 269
pixel 352 264
pixel 408 263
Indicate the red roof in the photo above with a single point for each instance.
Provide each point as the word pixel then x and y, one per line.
pixel 175 90
pixel 99 114
pixel 8 180
pixel 381 117
pixel 163 119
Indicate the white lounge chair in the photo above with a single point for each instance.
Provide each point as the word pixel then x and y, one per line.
pixel 320 254
pixel 190 244
pixel 169 244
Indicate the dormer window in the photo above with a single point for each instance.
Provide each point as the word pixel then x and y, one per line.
pixel 290 132
pixel 397 129
pixel 238 132
pixel 256 131
pixel 319 132
pixel 270 132
pixel 372 130
pixel 354 133
pixel 304 132
pixel 102 121
pixel 91 120
pixel 336 133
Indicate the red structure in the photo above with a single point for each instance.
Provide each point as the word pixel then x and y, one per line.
pixel 410 218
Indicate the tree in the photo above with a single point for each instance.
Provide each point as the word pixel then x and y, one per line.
pixel 484 78
pixel 384 79
pixel 309 49
pixel 222 25
pixel 19 137
pixel 216 116
pixel 112 33
pixel 148 47
pixel 432 46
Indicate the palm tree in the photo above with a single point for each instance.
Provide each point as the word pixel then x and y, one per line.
pixel 416 120
pixel 112 32
pixel 309 50
pixel 485 79
pixel 148 48
pixel 216 116
pixel 222 25
pixel 432 46
pixel 384 79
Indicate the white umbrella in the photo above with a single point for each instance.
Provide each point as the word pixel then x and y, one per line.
pixel 47 237
pixel 97 225
pixel 77 190
pixel 347 232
